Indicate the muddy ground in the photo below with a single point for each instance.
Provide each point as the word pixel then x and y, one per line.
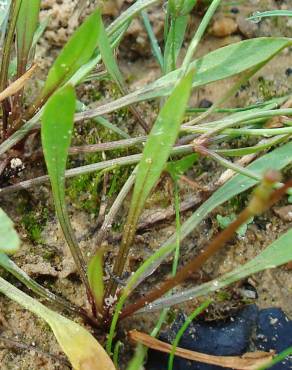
pixel 44 254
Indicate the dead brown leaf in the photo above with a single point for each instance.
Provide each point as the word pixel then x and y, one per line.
pixel 249 361
pixel 18 84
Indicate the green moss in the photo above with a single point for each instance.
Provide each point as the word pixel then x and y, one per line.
pixel 84 191
pixel 266 88
pixel 33 219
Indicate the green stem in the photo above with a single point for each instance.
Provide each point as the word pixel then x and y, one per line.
pixel 14 10
pixel 177 222
pixel 198 35
pixel 153 40
pixel 128 288
pixel 184 327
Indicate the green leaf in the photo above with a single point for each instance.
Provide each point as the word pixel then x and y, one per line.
pixel 56 133
pixel 160 141
pixel 107 55
pixel 95 277
pixel 225 221
pixel 78 51
pixel 257 16
pixel 277 159
pixel 179 167
pixel 181 7
pixel 82 349
pixel 222 63
pixel 9 240
pixel 174 42
pixel 277 254
pixel 25 29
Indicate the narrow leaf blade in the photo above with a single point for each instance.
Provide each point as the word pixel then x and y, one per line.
pixel 56 132
pixel 82 349
pixel 78 51
pixel 25 29
pixel 95 277
pixel 277 254
pixel 160 141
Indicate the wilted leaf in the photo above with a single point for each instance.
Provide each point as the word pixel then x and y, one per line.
pixel 17 85
pixel 82 349
pixel 248 361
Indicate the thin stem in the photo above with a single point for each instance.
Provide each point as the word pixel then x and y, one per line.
pixel 198 35
pixel 178 226
pixel 225 163
pixel 129 287
pixel 14 10
pixel 114 209
pixel 246 76
pixel 212 248
pixel 153 40
pixel 183 328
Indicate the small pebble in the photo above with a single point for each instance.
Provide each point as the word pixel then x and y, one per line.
pixel 224 27
pixel 234 10
pixel 205 103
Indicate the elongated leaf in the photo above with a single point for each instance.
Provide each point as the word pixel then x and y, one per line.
pixel 278 253
pixel 9 240
pixel 56 133
pixel 107 55
pixel 56 130
pixel 78 51
pixel 95 277
pixel 257 16
pixel 217 65
pixel 25 29
pixel 277 159
pixel 160 141
pixel 82 349
pixel 174 42
pixel 222 63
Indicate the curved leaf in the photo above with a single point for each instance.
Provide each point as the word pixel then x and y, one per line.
pixel 278 253
pixel 82 349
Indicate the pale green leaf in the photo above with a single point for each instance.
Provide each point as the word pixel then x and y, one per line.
pixel 257 16
pixel 277 159
pixel 81 348
pixel 9 240
pixel 278 253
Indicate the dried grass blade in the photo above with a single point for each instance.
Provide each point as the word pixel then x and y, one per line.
pixel 248 361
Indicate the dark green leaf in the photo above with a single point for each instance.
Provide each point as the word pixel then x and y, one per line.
pixel 78 50
pixel 95 277
pixel 25 29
